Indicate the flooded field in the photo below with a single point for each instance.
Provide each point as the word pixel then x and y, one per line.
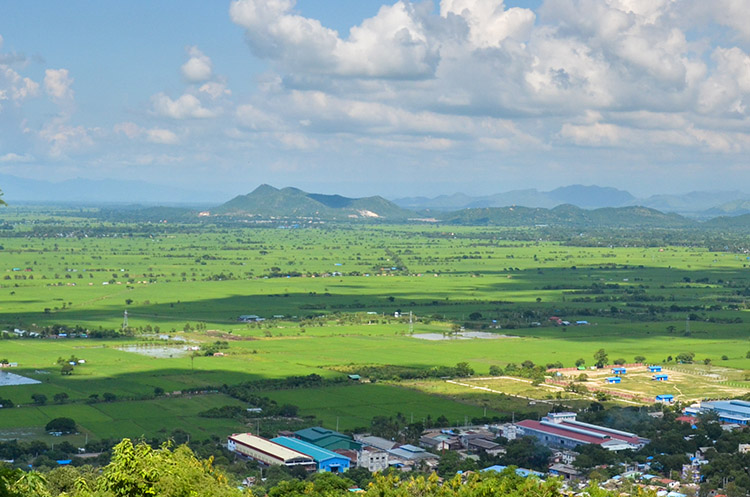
pixel 9 379
pixel 464 335
pixel 157 351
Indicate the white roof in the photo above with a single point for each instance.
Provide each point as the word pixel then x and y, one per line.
pixel 268 447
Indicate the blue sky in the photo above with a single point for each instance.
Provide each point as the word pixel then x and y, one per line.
pixel 379 97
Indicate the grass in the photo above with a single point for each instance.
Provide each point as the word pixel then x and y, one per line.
pixel 340 316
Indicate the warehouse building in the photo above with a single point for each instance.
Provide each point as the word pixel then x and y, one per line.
pixel 562 430
pixel 328 439
pixel 267 452
pixel 728 411
pixel 325 460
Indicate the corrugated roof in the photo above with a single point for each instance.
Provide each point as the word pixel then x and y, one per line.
pixel 318 453
pixel 268 446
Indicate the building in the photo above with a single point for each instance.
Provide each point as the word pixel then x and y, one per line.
pixel 561 430
pixel 485 446
pixel 373 459
pixel 654 369
pixel 267 452
pixel 619 370
pixel 439 441
pixel 660 377
pixel 613 379
pixel 328 439
pixel 411 454
pixel 377 442
pixel 325 460
pixel 666 399
pixel 728 411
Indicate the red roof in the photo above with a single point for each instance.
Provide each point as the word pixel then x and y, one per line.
pixel 579 436
pixel 687 419
pixel 536 425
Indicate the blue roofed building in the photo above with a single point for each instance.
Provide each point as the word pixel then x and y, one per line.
pixel 613 379
pixel 665 398
pixel 325 460
pixel 654 369
pixel 619 370
pixel 728 411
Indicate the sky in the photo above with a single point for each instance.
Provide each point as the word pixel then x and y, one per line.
pixel 365 97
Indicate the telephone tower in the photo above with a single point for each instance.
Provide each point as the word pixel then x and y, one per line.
pixel 125 321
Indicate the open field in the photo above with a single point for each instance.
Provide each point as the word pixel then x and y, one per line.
pixel 329 295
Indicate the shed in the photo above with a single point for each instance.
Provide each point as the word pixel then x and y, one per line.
pixel 654 369
pixel 614 379
pixel 665 398
pixel 660 377
pixel 619 370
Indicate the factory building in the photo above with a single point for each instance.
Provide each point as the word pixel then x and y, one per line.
pixel 562 430
pixel 267 452
pixel 325 460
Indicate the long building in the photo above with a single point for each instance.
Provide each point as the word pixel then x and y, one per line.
pixel 325 460
pixel 267 452
pixel 562 430
pixel 728 411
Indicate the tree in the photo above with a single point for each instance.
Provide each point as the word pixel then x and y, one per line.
pixel 141 471
pixel 619 362
pixel 66 369
pixel 39 399
pixel 639 359
pixel 65 425
pixel 60 398
pixel 600 358
pixel 580 362
pixel 685 357
pixel 463 370
pixel 496 370
pixel 109 397
pixel 2 202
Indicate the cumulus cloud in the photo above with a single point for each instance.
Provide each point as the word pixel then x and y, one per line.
pixel 215 89
pixel 14 87
pixel 57 84
pixel 186 106
pixel 153 135
pixel 393 44
pixel 198 68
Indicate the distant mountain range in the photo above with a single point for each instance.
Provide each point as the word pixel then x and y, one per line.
pixel 699 205
pixel 96 192
pixel 575 204
pixel 267 201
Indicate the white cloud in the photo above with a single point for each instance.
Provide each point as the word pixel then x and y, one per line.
pixel 15 158
pixel 14 87
pixel 185 107
pixel 57 83
pixel 153 135
pixel 489 22
pixel 215 89
pixel 163 136
pixel 393 44
pixel 198 68
pixel 63 138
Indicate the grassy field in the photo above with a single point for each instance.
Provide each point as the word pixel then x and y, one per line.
pixel 329 296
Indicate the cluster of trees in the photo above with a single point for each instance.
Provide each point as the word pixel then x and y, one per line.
pixel 397 373
pixel 268 408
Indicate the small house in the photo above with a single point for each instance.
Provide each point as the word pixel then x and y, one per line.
pixel 667 399
pixel 619 370
pixel 654 369
pixel 614 379
pixel 660 377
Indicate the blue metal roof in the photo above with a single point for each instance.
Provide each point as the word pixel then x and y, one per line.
pixel 317 453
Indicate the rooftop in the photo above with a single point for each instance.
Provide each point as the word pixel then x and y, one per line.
pixel 317 453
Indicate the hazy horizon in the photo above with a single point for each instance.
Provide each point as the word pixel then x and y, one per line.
pixel 376 97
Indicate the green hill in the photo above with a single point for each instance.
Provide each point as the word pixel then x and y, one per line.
pixel 569 215
pixel 267 201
